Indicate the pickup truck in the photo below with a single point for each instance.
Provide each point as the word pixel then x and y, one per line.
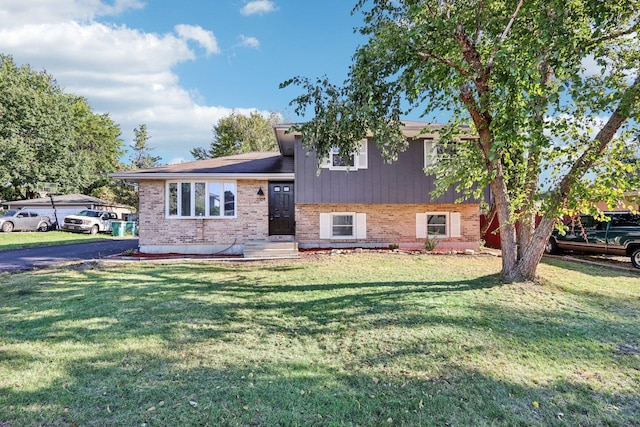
pixel 619 234
pixel 89 221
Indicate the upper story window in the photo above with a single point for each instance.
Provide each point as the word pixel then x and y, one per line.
pixel 209 199
pixel 349 161
pixel 435 151
pixel 338 160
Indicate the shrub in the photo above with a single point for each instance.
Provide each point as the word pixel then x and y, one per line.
pixel 431 243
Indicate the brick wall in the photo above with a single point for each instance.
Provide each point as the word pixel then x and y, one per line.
pixel 388 224
pixel 156 230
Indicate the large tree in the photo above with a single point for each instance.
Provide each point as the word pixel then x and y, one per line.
pixel 96 149
pixel 48 136
pixel 238 133
pixel 516 71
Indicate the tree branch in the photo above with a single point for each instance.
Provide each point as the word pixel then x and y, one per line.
pixel 480 120
pixel 504 35
pixel 630 98
pixel 478 14
pixel 426 55
pixel 612 36
pixel 469 50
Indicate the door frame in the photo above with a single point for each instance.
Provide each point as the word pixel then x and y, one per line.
pixel 272 194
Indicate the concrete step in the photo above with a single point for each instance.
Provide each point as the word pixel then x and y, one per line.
pixel 267 250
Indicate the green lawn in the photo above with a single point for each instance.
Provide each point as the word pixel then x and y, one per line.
pixel 26 239
pixel 344 340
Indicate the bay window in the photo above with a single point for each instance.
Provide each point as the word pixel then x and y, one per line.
pixel 201 199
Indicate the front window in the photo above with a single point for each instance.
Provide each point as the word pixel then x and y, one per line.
pixel 200 199
pixel 185 200
pixel 437 225
pixel 214 199
pixel 342 225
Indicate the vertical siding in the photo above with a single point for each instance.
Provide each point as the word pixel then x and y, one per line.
pixel 402 181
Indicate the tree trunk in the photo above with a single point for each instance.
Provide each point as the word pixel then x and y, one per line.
pixel 525 230
pixel 507 227
pixel 532 254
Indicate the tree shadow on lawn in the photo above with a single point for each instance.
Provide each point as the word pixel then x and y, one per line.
pixel 194 309
pixel 290 354
pixel 135 388
pixel 91 307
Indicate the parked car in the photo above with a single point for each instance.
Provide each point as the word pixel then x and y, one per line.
pixel 14 220
pixel 619 234
pixel 89 221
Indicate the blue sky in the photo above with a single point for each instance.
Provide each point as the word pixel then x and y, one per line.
pixel 179 66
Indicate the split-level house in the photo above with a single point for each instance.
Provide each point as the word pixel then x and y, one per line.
pixel 225 205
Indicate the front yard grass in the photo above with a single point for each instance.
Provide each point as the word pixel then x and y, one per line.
pixel 345 340
pixel 26 239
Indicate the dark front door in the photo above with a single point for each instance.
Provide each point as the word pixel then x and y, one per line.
pixel 281 209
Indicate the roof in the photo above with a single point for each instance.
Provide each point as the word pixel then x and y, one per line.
pixel 411 129
pixel 268 165
pixel 66 199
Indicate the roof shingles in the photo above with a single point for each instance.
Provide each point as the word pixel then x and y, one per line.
pixel 242 164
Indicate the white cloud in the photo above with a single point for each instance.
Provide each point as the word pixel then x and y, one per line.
pixel 125 72
pixel 251 42
pixel 196 33
pixel 14 13
pixel 258 7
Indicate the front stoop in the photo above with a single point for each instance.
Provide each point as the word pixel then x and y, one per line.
pixel 262 249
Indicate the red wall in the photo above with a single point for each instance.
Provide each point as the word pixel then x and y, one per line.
pixel 493 240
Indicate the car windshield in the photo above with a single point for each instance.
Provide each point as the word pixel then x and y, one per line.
pixel 7 213
pixel 89 213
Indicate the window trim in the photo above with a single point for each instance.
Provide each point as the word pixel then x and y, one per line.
pixel 430 151
pixel 360 158
pixel 447 225
pixel 453 225
pixel 335 153
pixel 431 146
pixel 192 199
pixel 359 226
pixel 354 220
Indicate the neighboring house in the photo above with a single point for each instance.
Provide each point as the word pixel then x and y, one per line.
pixel 222 205
pixel 631 201
pixel 63 205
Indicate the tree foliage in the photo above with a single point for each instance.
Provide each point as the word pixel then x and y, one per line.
pixel 516 72
pixel 142 157
pixel 239 133
pixel 120 191
pixel 49 136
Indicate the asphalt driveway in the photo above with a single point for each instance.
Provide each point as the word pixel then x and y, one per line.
pixel 26 259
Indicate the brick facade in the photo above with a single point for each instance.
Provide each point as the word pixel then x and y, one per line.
pixel 159 234
pixel 388 224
